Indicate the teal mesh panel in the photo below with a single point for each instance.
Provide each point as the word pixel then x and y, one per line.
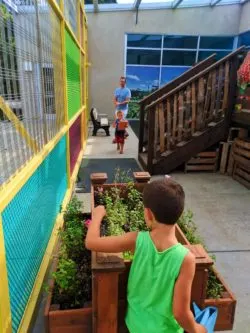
pixel 28 221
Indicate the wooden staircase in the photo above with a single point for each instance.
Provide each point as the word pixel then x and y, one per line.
pixel 189 114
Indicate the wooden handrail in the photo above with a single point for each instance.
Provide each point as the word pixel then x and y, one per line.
pixel 175 82
pixel 196 77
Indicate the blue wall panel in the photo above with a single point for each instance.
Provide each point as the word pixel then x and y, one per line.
pixel 28 221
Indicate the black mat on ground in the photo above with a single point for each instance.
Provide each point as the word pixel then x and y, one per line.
pixel 135 125
pixel 126 165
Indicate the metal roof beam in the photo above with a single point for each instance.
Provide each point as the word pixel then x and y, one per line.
pixel 136 4
pixel 214 2
pixel 96 6
pixel 176 3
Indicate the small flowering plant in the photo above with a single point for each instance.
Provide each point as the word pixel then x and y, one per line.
pixel 244 73
pixel 87 223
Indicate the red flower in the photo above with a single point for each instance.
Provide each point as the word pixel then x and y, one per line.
pixel 87 223
pixel 244 71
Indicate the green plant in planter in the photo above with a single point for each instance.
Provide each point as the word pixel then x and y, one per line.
pixel 214 287
pixel 65 275
pixel 73 210
pixel 187 225
pixel 73 275
pixel 122 176
pixel 189 228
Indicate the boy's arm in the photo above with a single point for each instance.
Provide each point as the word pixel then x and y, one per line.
pixel 182 297
pixel 110 244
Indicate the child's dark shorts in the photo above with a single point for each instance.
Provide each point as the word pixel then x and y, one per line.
pixel 120 136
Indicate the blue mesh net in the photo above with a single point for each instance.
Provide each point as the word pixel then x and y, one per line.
pixel 28 221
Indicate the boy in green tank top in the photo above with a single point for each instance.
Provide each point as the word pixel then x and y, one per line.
pixel 161 275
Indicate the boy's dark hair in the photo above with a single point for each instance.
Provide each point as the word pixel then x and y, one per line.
pixel 123 78
pixel 165 198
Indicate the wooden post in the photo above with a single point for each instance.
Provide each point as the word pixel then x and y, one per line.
pixel 224 157
pixel 151 139
pixel 142 129
pixel 98 178
pixel 105 282
pixel 193 126
pixel 232 91
pixel 180 117
pixel 162 128
pixel 213 96
pixel 230 162
pixel 200 124
pixel 142 177
pixel 169 123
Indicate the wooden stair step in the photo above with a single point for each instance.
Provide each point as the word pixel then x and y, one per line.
pixel 201 167
pixel 202 160
pixel 166 153
pixel 181 144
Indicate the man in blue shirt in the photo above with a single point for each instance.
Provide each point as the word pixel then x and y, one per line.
pixel 122 97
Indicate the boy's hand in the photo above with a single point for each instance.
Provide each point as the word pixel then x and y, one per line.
pixel 98 213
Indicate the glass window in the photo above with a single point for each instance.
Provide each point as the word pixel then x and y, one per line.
pixel 144 41
pixel 170 73
pixel 142 80
pixel 143 57
pixel 205 54
pixel 182 42
pixel 217 43
pixel 244 39
pixel 181 58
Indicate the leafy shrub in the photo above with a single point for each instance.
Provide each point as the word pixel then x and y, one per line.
pixel 73 275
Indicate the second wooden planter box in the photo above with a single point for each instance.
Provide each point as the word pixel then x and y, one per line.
pixel 65 321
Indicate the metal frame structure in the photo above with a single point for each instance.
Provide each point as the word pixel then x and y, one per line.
pixel 137 5
pixel 15 184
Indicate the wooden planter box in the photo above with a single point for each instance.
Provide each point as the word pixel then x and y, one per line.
pixel 110 277
pixel 241 156
pixel 65 321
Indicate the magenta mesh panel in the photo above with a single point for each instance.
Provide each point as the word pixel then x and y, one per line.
pixel 74 142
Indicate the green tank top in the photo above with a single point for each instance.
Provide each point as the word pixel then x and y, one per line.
pixel 151 286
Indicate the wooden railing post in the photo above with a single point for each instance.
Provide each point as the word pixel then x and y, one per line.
pixel 142 129
pixel 142 177
pixel 232 91
pixel 151 138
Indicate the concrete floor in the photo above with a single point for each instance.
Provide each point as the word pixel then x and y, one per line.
pixel 221 210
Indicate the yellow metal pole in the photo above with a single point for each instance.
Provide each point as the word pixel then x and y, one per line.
pixel 18 125
pixel 5 313
pixel 80 34
pixel 65 93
